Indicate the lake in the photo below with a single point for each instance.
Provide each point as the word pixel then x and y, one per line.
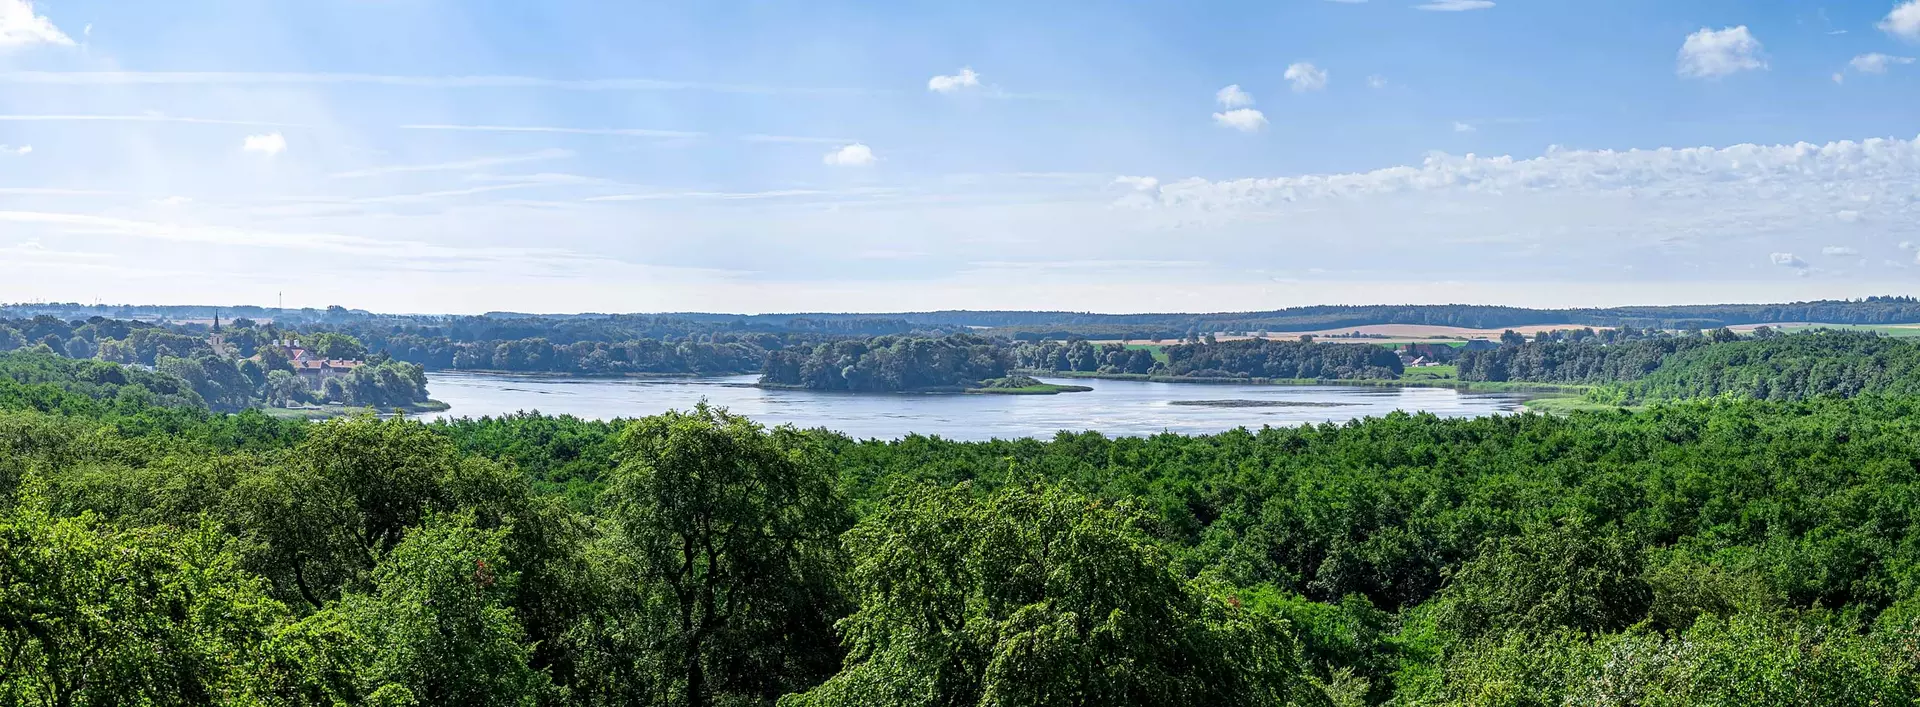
pixel 1115 408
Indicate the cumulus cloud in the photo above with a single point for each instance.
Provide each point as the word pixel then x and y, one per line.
pixel 854 155
pixel 949 84
pixel 1455 5
pixel 1460 127
pixel 1306 77
pixel 475 163
pixel 1137 183
pixel 1615 206
pixel 1376 81
pixel 269 144
pixel 1245 120
pixel 1233 97
pixel 1788 260
pixel 19 27
pixel 1903 22
pixel 1877 63
pixel 1710 54
pixel 21 150
pixel 1838 250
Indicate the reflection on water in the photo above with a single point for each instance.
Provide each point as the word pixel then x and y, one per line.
pixel 1112 407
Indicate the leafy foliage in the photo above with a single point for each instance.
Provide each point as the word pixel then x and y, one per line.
pixel 890 364
pixel 1793 367
pixel 1039 597
pixel 1720 551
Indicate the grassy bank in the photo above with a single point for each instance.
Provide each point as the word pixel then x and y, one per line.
pixel 1418 381
pixel 325 412
pixel 1563 404
pixel 1037 389
pixel 563 374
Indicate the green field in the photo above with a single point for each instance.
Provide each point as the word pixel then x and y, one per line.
pixel 1564 404
pixel 1040 389
pixel 1899 330
pixel 1159 351
pixel 326 412
pixel 1431 374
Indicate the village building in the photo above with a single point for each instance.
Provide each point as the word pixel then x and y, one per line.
pixel 312 368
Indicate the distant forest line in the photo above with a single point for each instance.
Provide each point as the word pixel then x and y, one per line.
pixel 1624 365
pixel 1024 325
pixel 1717 552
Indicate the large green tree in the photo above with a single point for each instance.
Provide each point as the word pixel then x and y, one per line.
pixel 1036 596
pixel 93 615
pixel 345 495
pixel 734 531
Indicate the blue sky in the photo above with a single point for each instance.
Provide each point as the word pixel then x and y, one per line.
pixel 443 156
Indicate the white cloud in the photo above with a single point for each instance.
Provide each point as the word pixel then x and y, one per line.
pixel 854 155
pixel 1233 97
pixel 1903 22
pixel 949 84
pixel 1787 260
pixel 1455 5
pixel 21 150
pixel 269 144
pixel 1877 63
pixel 315 242
pixel 1242 119
pixel 1460 127
pixel 1847 215
pixel 1086 264
pixel 1715 53
pixel 1376 81
pixel 1306 77
pixel 1838 250
pixel 746 196
pixel 35 250
pixel 140 118
pixel 1839 77
pixel 1667 210
pixel 796 139
pixel 1138 183
pixel 243 78
pixel 1880 172
pixel 19 27
pixel 624 132
pixel 475 163
pixel 173 201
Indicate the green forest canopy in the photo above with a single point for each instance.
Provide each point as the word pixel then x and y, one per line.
pixel 1729 551
pixel 444 334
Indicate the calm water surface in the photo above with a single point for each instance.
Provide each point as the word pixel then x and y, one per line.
pixel 1114 408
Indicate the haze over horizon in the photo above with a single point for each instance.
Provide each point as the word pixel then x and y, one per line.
pixel 462 157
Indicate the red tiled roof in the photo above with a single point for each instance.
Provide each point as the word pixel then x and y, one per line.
pixel 317 364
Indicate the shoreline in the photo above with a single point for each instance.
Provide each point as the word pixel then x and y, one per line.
pixel 1466 386
pixel 1042 389
pixel 556 374
pixel 328 412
